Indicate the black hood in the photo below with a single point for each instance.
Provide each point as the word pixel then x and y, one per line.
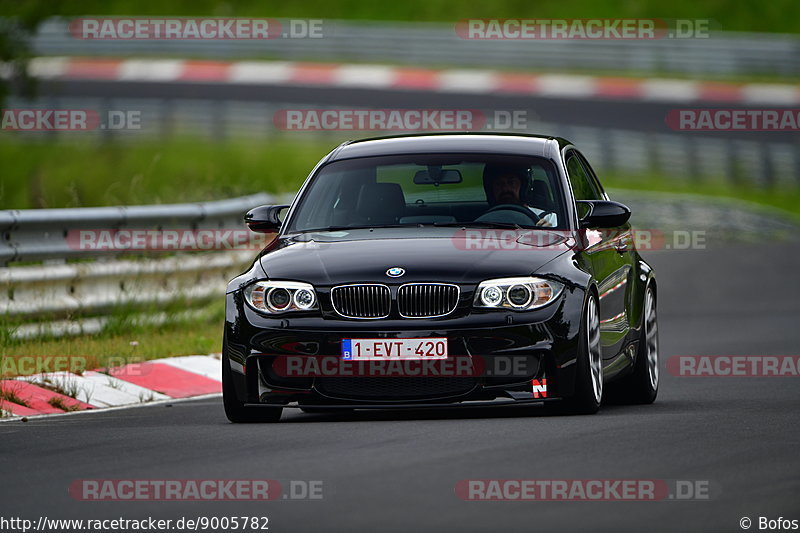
pixel 429 254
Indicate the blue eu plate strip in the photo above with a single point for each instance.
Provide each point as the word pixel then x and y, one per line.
pixel 347 349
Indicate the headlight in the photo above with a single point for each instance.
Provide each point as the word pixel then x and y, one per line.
pixel 280 296
pixel 519 294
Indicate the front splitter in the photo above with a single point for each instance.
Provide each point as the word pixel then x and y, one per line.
pixel 466 404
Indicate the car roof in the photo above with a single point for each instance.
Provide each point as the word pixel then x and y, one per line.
pixel 495 143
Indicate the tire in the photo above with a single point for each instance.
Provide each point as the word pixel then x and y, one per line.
pixel 641 387
pixel 589 367
pixel 235 410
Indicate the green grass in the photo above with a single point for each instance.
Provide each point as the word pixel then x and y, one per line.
pixel 745 15
pixel 124 342
pixel 785 199
pixel 9 395
pixel 99 351
pixel 59 403
pixel 85 174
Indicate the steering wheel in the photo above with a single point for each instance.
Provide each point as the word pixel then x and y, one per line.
pixel 514 207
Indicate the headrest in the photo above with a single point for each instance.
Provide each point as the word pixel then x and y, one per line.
pixel 490 172
pixel 381 203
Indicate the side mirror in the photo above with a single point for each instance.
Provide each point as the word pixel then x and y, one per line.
pixel 265 218
pixel 603 213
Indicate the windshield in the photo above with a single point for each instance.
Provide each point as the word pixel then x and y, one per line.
pixel 432 189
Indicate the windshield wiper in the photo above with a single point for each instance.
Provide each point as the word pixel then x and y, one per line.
pixel 344 228
pixel 480 224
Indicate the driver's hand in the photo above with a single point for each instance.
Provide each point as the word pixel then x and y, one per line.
pixel 544 223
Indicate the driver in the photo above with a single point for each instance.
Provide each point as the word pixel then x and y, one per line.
pixel 507 185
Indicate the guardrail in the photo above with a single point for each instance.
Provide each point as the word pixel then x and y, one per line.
pixel 59 297
pixel 39 234
pixel 81 291
pixel 722 53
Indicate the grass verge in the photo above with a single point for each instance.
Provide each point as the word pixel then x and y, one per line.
pixel 80 173
pixel 787 199
pixel 86 174
pixel 124 341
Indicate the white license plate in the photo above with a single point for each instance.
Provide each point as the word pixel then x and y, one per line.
pixel 383 349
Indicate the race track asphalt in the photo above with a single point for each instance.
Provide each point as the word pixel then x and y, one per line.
pixel 384 471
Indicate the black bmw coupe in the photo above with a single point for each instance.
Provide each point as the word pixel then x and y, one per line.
pixel 442 270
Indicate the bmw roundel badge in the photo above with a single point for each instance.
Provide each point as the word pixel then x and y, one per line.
pixel 395 272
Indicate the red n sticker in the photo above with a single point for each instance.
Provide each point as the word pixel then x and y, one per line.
pixel 539 388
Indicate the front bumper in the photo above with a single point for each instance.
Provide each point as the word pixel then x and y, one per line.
pixel 513 358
